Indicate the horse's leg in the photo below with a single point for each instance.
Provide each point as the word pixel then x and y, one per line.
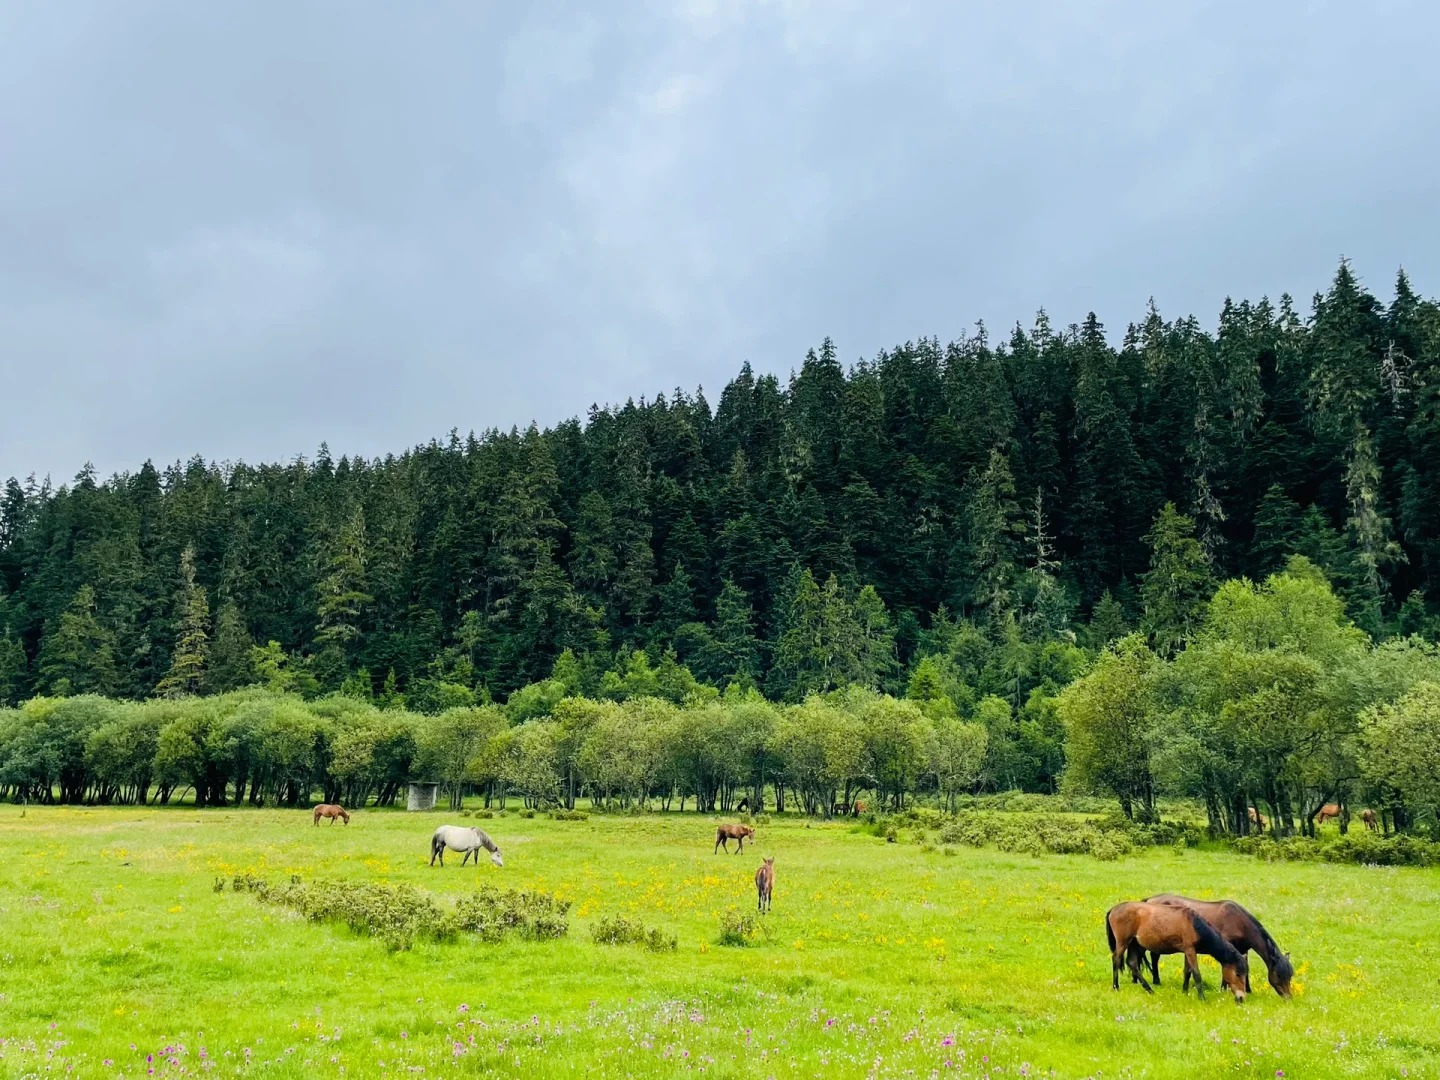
pixel 1192 962
pixel 1117 961
pixel 1155 966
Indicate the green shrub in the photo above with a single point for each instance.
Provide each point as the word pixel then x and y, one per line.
pixel 569 815
pixel 1107 838
pixel 618 930
pixel 1364 848
pixel 737 929
pixel 527 813
pixel 399 914
pixel 492 913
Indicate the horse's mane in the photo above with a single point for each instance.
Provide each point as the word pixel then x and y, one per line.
pixel 1272 955
pixel 1212 943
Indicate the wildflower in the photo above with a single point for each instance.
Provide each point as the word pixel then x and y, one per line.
pixel 948 1040
pixel 108 1063
pixel 464 1008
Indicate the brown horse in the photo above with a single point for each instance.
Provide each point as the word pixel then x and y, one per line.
pixel 1326 812
pixel 725 833
pixel 332 811
pixel 1368 816
pixel 1257 819
pixel 1242 930
pixel 1134 927
pixel 765 884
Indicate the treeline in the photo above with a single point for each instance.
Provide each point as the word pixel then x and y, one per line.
pixel 1276 700
pixel 257 747
pixel 795 537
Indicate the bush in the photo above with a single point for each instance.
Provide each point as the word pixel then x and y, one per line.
pixel 1355 847
pixel 569 815
pixel 527 813
pixel 1107 838
pixel 736 929
pixel 618 930
pixel 492 913
pixel 398 914
pixel 485 813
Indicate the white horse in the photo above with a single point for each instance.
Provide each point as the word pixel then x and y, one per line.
pixel 462 838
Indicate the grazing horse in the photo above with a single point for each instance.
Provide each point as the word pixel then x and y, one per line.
pixel 1368 816
pixel 332 811
pixel 1242 930
pixel 1134 927
pixel 725 833
pixel 1326 812
pixel 462 838
pixel 765 884
pixel 1257 819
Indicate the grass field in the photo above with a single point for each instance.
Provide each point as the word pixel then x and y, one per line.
pixel 117 957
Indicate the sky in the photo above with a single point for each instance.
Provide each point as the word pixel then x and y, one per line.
pixel 243 228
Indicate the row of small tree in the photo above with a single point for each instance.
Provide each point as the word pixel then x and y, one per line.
pixel 261 748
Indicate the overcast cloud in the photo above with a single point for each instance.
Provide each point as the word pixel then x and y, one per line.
pixel 239 229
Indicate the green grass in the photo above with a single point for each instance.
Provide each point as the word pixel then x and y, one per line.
pixel 878 959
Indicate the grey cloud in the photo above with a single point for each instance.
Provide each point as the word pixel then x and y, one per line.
pixel 242 229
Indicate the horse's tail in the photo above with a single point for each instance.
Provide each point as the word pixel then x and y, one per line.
pixel 1110 932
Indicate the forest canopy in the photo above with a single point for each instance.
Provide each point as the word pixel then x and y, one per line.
pixel 965 525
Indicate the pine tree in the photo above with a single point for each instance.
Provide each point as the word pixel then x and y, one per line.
pixel 342 597
pixel 78 654
pixel 1107 622
pixel 1179 584
pixel 12 667
pixel 995 526
pixel 875 663
pixel 230 665
pixel 732 653
pixel 1278 523
pixel 187 674
pixel 677 605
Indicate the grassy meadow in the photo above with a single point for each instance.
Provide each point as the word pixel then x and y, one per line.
pixel 118 957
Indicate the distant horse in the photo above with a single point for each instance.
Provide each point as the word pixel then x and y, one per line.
pixel 1257 819
pixel 725 833
pixel 462 838
pixel 332 811
pixel 1134 927
pixel 743 805
pixel 1242 930
pixel 1368 816
pixel 1326 812
pixel 765 884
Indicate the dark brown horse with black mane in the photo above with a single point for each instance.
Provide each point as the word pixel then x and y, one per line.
pixel 725 833
pixel 1242 930
pixel 331 811
pixel 1135 927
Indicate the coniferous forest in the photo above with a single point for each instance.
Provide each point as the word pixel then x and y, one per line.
pixel 973 520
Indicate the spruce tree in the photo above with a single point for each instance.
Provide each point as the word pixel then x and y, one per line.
pixel 1178 585
pixel 230 665
pixel 78 654
pixel 12 668
pixel 187 674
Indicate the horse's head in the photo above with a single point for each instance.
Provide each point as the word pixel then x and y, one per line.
pixel 495 858
pixel 770 861
pixel 1235 975
pixel 1281 972
pixel 748 830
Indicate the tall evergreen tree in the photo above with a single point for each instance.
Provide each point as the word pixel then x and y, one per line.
pixel 187 674
pixel 78 655
pixel 1178 585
